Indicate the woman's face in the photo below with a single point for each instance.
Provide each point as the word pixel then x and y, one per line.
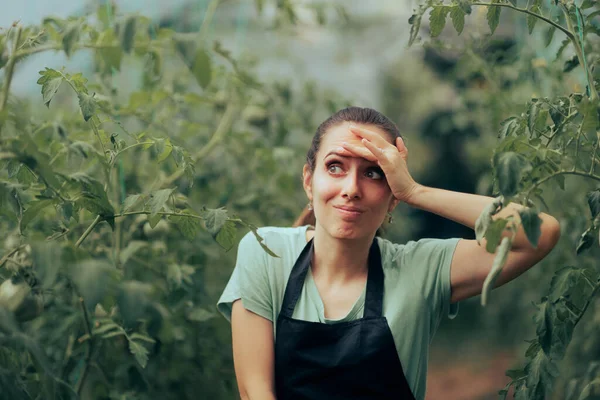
pixel 347 182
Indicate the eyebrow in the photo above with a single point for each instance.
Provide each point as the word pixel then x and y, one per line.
pixel 336 153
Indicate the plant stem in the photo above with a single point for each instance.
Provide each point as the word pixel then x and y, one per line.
pixel 88 349
pixel 210 12
pixel 88 231
pixel 10 68
pixel 526 11
pixel 590 298
pixel 161 213
pixel 538 183
pixel 575 40
pixel 594 156
pixel 10 253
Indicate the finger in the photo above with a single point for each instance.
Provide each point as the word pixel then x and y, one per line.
pixel 401 147
pixel 374 137
pixel 359 151
pixel 378 152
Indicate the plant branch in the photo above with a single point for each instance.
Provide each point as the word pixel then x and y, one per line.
pixel 10 68
pixel 590 298
pixel 210 12
pixel 575 40
pixel 10 253
pixel 88 349
pixel 547 178
pixel 88 230
pixel 526 11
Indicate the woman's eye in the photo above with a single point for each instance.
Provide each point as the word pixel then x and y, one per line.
pixel 375 174
pixel 332 168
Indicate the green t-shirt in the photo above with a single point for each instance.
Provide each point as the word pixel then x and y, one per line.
pixel 416 290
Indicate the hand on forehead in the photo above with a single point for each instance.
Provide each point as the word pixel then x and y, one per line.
pixel 336 136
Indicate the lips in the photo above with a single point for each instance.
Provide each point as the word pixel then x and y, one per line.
pixel 350 209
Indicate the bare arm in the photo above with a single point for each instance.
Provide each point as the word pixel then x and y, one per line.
pixel 253 354
pixel 471 262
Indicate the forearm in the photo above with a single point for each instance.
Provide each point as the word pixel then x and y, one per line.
pixel 257 394
pixel 465 208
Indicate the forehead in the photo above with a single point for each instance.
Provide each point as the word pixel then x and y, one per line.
pixel 338 134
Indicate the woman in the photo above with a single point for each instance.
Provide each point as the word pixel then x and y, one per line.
pixel 343 313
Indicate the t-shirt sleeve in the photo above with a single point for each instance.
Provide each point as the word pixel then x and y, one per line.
pixel 431 259
pixel 249 281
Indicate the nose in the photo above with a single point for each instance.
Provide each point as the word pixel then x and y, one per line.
pixel 351 186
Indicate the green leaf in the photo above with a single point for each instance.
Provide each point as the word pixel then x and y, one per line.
pixel 110 54
pixel 139 336
pixel 531 20
pixel 106 327
pixel 589 110
pixel 198 314
pixel 541 372
pixel 140 353
pixel 437 20
pixel 132 247
pixel 50 81
pixel 571 64
pixel 70 37
pixel 591 391
pixel 202 68
pixel 130 201
pixel 569 282
pixel 33 209
pixel 515 374
pixel 593 199
pixel 187 225
pixel 87 104
pixel 153 220
pixel 93 196
pixel 510 168
pixel 128 35
pixel 586 240
pixel 158 200
pixel 497 267
pixel 226 236
pixel 493 16
pixel 494 234
pixel 532 224
pixel 166 152
pixel 174 275
pixel 485 218
pixel 564 44
pixel 214 219
pixel 458 19
pixel 549 36
pixel 415 23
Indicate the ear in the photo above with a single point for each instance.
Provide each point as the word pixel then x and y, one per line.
pixel 393 203
pixel 307 181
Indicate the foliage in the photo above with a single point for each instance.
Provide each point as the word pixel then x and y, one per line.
pixel 548 139
pixel 101 297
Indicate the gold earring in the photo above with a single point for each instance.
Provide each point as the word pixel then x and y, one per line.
pixel 310 206
pixel 390 218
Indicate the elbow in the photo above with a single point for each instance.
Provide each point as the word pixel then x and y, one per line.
pixel 550 235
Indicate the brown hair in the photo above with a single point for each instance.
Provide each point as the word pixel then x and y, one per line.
pixel 359 115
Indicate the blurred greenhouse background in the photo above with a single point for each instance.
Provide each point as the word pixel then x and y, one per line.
pixel 448 96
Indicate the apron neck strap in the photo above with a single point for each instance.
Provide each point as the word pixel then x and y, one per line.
pixel 374 294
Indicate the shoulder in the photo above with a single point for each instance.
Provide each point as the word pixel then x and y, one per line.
pixel 278 239
pixel 415 252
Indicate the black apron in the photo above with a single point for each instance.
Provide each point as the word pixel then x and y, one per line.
pixel 347 360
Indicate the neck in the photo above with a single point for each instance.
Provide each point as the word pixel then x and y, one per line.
pixel 339 260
